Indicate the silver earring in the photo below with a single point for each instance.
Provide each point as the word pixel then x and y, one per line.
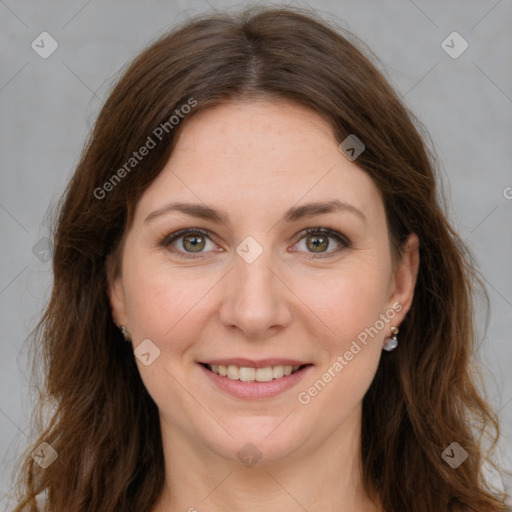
pixel 391 343
pixel 125 333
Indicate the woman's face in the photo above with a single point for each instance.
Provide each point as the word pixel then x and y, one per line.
pixel 254 289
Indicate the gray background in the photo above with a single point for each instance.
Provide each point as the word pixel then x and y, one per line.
pixel 48 107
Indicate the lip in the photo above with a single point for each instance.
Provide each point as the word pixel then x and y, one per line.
pixel 250 363
pixel 256 390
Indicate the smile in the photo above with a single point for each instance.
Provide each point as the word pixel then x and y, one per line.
pixel 250 382
pixel 249 374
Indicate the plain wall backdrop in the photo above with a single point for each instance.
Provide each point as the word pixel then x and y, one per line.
pixel 48 106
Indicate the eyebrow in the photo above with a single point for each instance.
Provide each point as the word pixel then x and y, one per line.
pixel 292 215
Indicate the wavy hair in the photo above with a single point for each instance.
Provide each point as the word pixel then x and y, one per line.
pixel 425 395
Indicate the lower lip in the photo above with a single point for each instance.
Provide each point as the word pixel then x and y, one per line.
pixel 255 389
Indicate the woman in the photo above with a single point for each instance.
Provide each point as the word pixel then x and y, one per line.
pixel 258 301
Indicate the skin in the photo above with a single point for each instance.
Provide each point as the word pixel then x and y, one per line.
pixel 254 160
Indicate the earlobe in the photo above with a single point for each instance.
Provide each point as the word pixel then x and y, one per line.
pixel 406 274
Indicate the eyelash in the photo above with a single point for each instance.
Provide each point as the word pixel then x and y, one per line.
pixel 341 239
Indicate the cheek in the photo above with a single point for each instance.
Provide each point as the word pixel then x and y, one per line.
pixel 351 309
pixel 167 307
pixel 162 303
pixel 351 347
pixel 350 302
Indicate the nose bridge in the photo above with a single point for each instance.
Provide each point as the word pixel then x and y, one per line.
pixel 254 300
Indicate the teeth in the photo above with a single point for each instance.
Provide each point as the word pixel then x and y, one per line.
pixel 263 374
pixel 246 374
pixel 278 371
pixel 233 372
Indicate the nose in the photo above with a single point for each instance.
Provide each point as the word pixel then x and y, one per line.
pixel 256 299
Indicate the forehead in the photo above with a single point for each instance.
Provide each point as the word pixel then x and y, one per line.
pixel 255 155
pixel 252 132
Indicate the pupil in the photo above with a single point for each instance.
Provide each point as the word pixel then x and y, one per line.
pixel 318 241
pixel 194 241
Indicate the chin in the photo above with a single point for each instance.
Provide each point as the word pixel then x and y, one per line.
pixel 266 440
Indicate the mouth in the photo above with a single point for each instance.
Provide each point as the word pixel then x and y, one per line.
pixel 253 374
pixel 254 380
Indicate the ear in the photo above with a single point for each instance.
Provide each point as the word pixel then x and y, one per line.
pixel 404 276
pixel 115 292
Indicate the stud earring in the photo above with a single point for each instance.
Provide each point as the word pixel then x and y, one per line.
pixel 391 343
pixel 125 333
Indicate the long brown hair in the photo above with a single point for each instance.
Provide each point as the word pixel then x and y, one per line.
pixel 105 426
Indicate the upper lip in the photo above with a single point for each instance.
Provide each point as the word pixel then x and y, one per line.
pixel 251 363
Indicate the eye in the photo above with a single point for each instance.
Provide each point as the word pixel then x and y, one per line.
pixel 192 241
pixel 317 241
